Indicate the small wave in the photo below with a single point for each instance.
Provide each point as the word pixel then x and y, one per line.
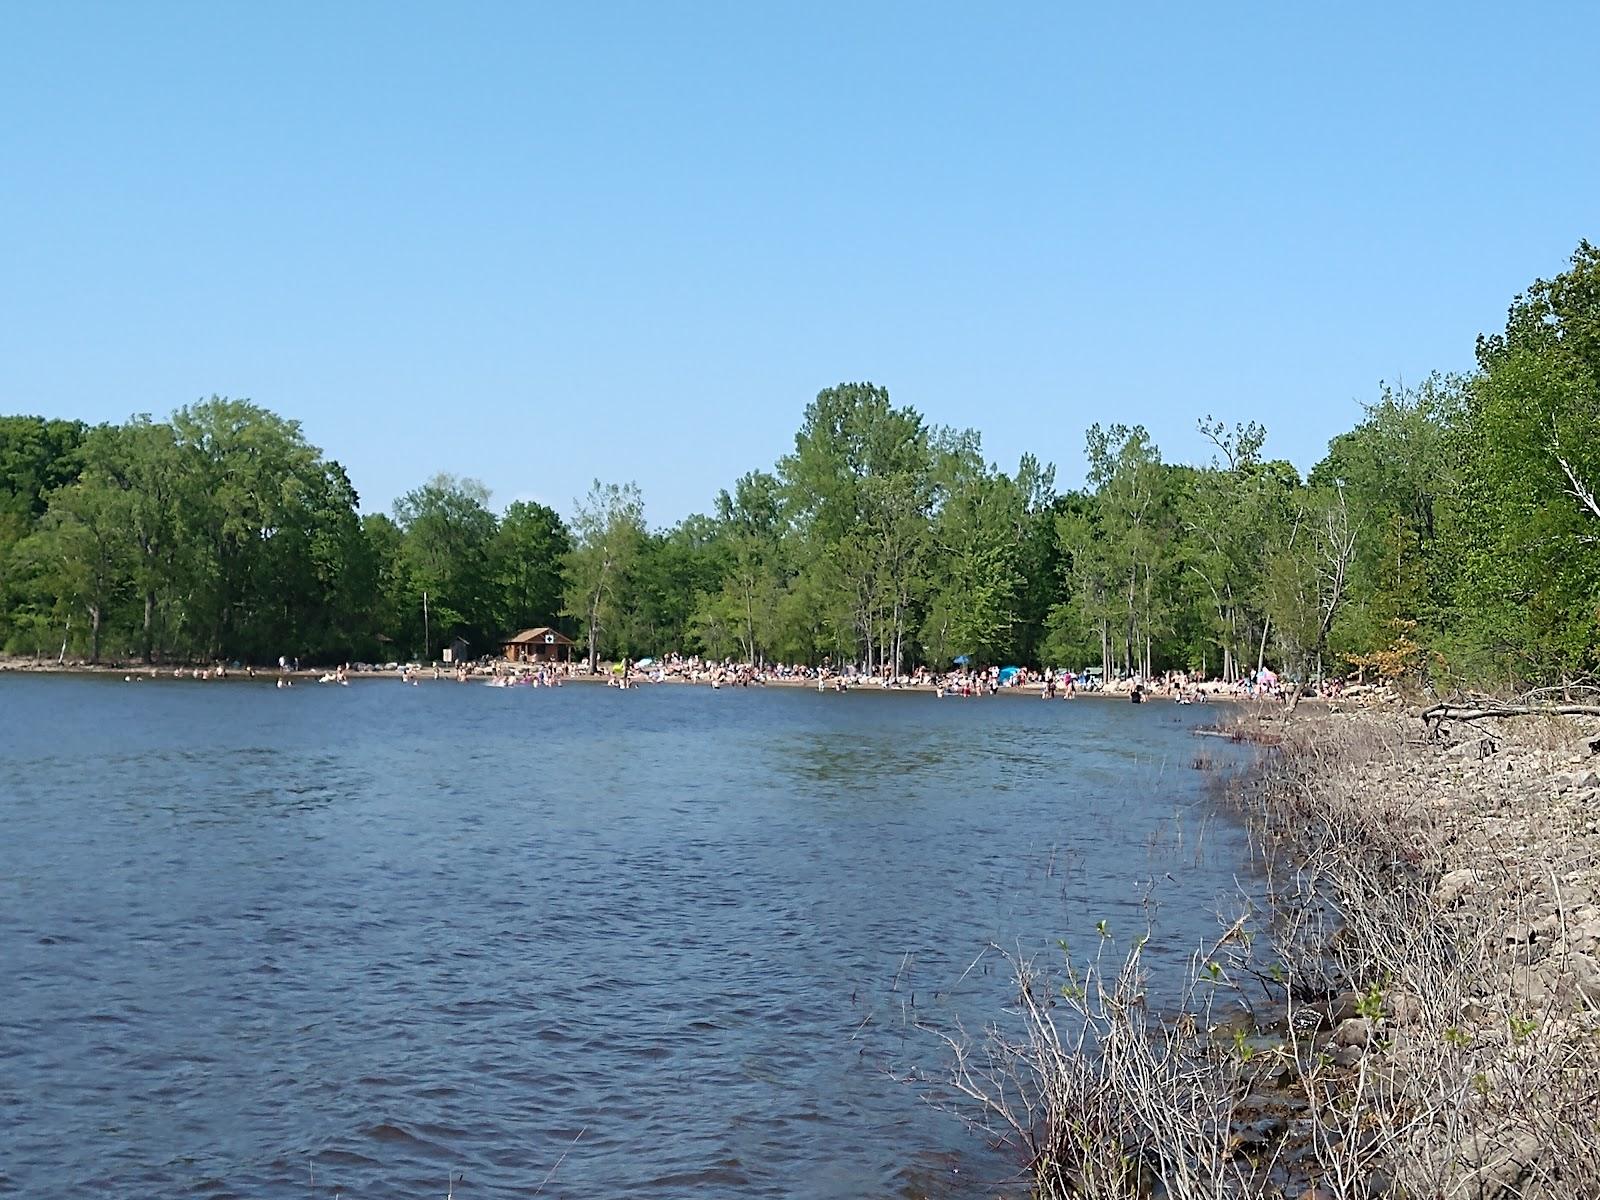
pixel 718 1176
pixel 343 1158
pixel 391 1134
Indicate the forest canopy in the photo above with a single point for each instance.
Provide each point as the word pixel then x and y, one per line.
pixel 1454 533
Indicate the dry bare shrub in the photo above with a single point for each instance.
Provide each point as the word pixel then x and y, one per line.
pixel 1105 1099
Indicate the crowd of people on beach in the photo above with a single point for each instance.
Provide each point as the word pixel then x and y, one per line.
pixel 524 675
pixel 967 682
pixel 959 681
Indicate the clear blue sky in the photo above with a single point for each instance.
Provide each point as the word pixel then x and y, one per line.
pixel 539 243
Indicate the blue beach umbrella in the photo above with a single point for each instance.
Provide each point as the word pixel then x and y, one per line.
pixel 961 660
pixel 1007 672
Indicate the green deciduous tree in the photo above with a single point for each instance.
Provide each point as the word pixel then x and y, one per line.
pixel 530 552
pixel 1133 545
pixel 37 456
pixel 745 612
pixel 1524 523
pixel 977 539
pixel 1395 472
pixel 82 549
pixel 1226 521
pixel 608 538
pixel 1462 515
pixel 1308 576
pixel 860 490
pixel 449 555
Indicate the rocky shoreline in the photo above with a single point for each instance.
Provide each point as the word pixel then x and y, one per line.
pixel 1412 1009
pixel 1446 882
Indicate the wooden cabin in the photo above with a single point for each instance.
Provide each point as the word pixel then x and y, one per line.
pixel 538 645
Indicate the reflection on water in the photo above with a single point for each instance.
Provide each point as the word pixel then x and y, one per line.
pixel 677 941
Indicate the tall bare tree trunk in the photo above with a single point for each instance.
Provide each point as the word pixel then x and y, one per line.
pixel 594 635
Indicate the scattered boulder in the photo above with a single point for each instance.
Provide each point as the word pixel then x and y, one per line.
pixel 1583 930
pixel 1473 751
pixel 1583 972
pixel 1454 886
pixel 1344 1006
pixel 1585 746
pixel 1577 781
pixel 1379 1184
pixel 1328 1012
pixel 1494 1166
pixel 1535 988
pixel 1348 1057
pixel 1402 1008
pixel 1356 1031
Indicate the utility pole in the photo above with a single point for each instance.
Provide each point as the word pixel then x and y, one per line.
pixel 427 643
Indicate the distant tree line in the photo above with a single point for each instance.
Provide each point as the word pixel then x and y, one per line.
pixel 1453 533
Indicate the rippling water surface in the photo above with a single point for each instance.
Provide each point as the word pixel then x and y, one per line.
pixel 661 943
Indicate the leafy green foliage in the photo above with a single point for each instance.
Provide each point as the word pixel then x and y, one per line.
pixel 450 543
pixel 1524 525
pixel 609 539
pixel 1455 529
pixel 529 549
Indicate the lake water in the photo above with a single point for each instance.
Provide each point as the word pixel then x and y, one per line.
pixel 661 943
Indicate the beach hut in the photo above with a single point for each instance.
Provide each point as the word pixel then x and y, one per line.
pixel 538 645
pixel 458 651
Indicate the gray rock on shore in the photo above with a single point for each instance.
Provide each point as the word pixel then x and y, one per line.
pixel 1357 1031
pixel 1454 885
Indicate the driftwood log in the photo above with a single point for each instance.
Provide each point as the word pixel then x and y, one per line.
pixel 1464 712
pixel 1435 716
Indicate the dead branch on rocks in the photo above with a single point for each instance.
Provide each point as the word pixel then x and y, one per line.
pixel 1457 712
pixel 1561 700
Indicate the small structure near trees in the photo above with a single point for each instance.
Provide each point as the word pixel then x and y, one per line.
pixel 538 645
